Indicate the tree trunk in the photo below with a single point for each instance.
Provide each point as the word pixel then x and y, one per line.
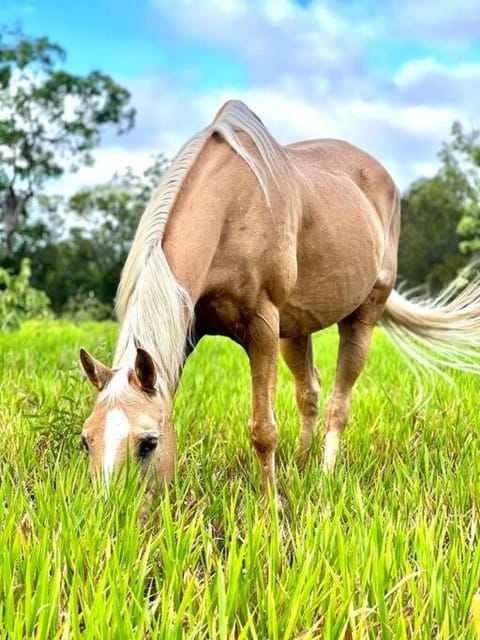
pixel 13 206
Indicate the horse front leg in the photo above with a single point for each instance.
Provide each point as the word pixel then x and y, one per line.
pixel 262 348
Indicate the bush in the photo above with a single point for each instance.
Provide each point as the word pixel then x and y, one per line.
pixel 19 301
pixel 83 307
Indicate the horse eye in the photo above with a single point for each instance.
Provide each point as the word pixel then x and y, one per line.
pixel 84 441
pixel 147 443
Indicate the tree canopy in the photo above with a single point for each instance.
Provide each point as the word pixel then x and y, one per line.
pixel 438 213
pixel 466 147
pixel 50 119
pixel 77 246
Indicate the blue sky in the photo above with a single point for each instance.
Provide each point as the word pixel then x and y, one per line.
pixel 388 76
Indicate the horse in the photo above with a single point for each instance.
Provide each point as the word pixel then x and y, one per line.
pixel 265 244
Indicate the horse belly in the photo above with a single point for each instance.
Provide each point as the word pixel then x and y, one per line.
pixel 325 304
pixel 337 269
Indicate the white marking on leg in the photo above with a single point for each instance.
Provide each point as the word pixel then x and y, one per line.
pixel 117 428
pixel 331 449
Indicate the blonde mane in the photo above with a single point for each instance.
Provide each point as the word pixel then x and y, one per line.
pixel 153 310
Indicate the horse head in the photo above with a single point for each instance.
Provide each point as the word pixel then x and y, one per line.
pixel 131 420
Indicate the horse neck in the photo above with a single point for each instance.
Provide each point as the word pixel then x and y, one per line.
pixel 196 223
pixel 160 315
pixel 160 310
pixel 158 319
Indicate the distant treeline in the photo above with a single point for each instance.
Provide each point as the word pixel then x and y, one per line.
pixel 50 120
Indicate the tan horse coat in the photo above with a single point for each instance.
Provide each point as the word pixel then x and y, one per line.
pixel 264 244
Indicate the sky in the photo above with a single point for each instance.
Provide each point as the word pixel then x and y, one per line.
pixel 389 76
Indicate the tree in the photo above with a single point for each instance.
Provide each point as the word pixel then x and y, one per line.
pixel 112 210
pixel 110 214
pixel 82 262
pixel 466 147
pixel 50 120
pixel 432 210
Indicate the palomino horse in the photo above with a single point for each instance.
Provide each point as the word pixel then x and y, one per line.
pixel 265 244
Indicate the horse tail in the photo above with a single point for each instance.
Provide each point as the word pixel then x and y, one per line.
pixel 438 333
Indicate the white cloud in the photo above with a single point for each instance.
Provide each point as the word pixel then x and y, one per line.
pixel 276 40
pixel 108 161
pixel 309 75
pixel 446 23
pixel 404 139
pixel 427 82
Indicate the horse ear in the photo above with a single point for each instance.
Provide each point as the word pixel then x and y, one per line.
pixel 145 370
pixel 98 373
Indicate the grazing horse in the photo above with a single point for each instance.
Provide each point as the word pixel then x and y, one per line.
pixel 265 244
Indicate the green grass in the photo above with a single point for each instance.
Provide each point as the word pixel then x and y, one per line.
pixel 386 548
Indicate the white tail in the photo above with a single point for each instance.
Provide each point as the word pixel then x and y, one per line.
pixel 438 333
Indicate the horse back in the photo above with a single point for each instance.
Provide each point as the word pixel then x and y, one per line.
pixel 330 157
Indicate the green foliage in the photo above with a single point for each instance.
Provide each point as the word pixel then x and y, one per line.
pixel 436 213
pixel 50 119
pixel 84 261
pixel 467 148
pixel 428 250
pixel 111 212
pixel 85 307
pixel 386 548
pixel 18 300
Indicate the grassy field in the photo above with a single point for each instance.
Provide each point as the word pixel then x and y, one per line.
pixel 386 548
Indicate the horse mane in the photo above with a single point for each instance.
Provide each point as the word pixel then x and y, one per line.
pixel 154 311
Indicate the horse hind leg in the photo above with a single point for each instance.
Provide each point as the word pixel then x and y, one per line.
pixel 355 337
pixel 298 354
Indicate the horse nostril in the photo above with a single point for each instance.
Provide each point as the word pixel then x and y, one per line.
pixel 147 442
pixel 84 440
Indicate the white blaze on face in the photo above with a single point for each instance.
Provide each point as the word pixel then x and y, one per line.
pixel 117 428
